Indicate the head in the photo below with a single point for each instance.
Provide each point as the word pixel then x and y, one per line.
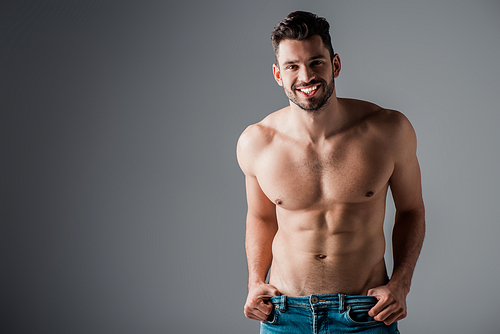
pixel 306 65
pixel 301 26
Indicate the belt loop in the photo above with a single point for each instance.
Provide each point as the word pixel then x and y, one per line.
pixel 341 303
pixel 283 303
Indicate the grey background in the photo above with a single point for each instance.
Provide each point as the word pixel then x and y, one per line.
pixel 121 203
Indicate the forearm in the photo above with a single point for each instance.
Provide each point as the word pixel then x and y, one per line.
pixel 258 243
pixel 407 238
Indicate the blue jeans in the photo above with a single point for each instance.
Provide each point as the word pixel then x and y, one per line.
pixel 321 314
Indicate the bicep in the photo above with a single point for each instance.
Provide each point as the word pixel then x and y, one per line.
pixel 406 186
pixel 259 205
pixel 405 181
pixel 248 151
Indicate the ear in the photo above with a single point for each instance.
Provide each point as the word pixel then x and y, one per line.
pixel 336 65
pixel 277 75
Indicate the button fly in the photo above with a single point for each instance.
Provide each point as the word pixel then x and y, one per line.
pixel 314 300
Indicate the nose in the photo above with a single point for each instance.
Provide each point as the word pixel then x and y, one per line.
pixel 306 74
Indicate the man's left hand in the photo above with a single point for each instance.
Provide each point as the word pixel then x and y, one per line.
pixel 391 305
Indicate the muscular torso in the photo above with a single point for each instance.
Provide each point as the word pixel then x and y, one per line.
pixel 330 205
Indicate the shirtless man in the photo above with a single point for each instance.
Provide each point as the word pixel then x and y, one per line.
pixel 317 174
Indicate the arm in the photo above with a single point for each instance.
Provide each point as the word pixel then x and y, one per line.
pixel 261 227
pixel 260 230
pixel 408 232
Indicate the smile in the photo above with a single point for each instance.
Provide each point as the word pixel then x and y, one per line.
pixel 309 90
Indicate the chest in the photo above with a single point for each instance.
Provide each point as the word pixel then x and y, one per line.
pixel 298 179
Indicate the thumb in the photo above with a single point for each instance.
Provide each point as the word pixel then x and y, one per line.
pixel 375 292
pixel 371 293
pixel 271 291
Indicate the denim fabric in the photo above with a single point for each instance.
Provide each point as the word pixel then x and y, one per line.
pixel 321 314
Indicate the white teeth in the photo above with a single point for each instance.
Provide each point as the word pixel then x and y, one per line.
pixel 309 90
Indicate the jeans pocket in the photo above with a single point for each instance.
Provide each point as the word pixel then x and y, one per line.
pixel 359 316
pixel 273 317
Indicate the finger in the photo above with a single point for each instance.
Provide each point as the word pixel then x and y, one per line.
pixel 259 309
pixel 270 292
pixel 255 317
pixel 391 314
pixel 260 302
pixel 255 314
pixel 264 307
pixel 250 316
pixel 395 317
pixel 383 302
pixel 390 320
pixel 275 292
pixel 386 313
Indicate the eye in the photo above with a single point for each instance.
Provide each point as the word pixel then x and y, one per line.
pixel 291 67
pixel 317 63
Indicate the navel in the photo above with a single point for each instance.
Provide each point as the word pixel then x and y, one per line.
pixel 320 256
pixel 369 194
pixel 278 201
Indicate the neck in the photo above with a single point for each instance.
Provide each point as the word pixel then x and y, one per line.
pixel 321 124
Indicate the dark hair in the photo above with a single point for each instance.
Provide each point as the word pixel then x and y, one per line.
pixel 300 26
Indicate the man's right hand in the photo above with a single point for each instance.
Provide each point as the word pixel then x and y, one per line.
pixel 258 306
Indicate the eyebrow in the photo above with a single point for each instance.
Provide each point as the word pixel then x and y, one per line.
pixel 290 62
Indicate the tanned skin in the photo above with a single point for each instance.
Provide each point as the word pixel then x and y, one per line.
pixel 316 183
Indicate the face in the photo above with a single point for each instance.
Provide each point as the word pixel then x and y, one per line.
pixel 306 73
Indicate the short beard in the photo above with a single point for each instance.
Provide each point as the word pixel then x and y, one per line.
pixel 313 107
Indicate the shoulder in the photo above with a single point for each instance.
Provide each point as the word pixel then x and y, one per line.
pixel 395 121
pixel 402 132
pixel 256 139
pixel 387 125
pixel 390 123
pixel 397 131
pixel 376 114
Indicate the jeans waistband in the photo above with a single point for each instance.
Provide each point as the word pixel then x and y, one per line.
pixel 338 301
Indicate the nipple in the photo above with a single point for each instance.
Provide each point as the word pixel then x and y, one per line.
pixel 369 194
pixel 278 201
